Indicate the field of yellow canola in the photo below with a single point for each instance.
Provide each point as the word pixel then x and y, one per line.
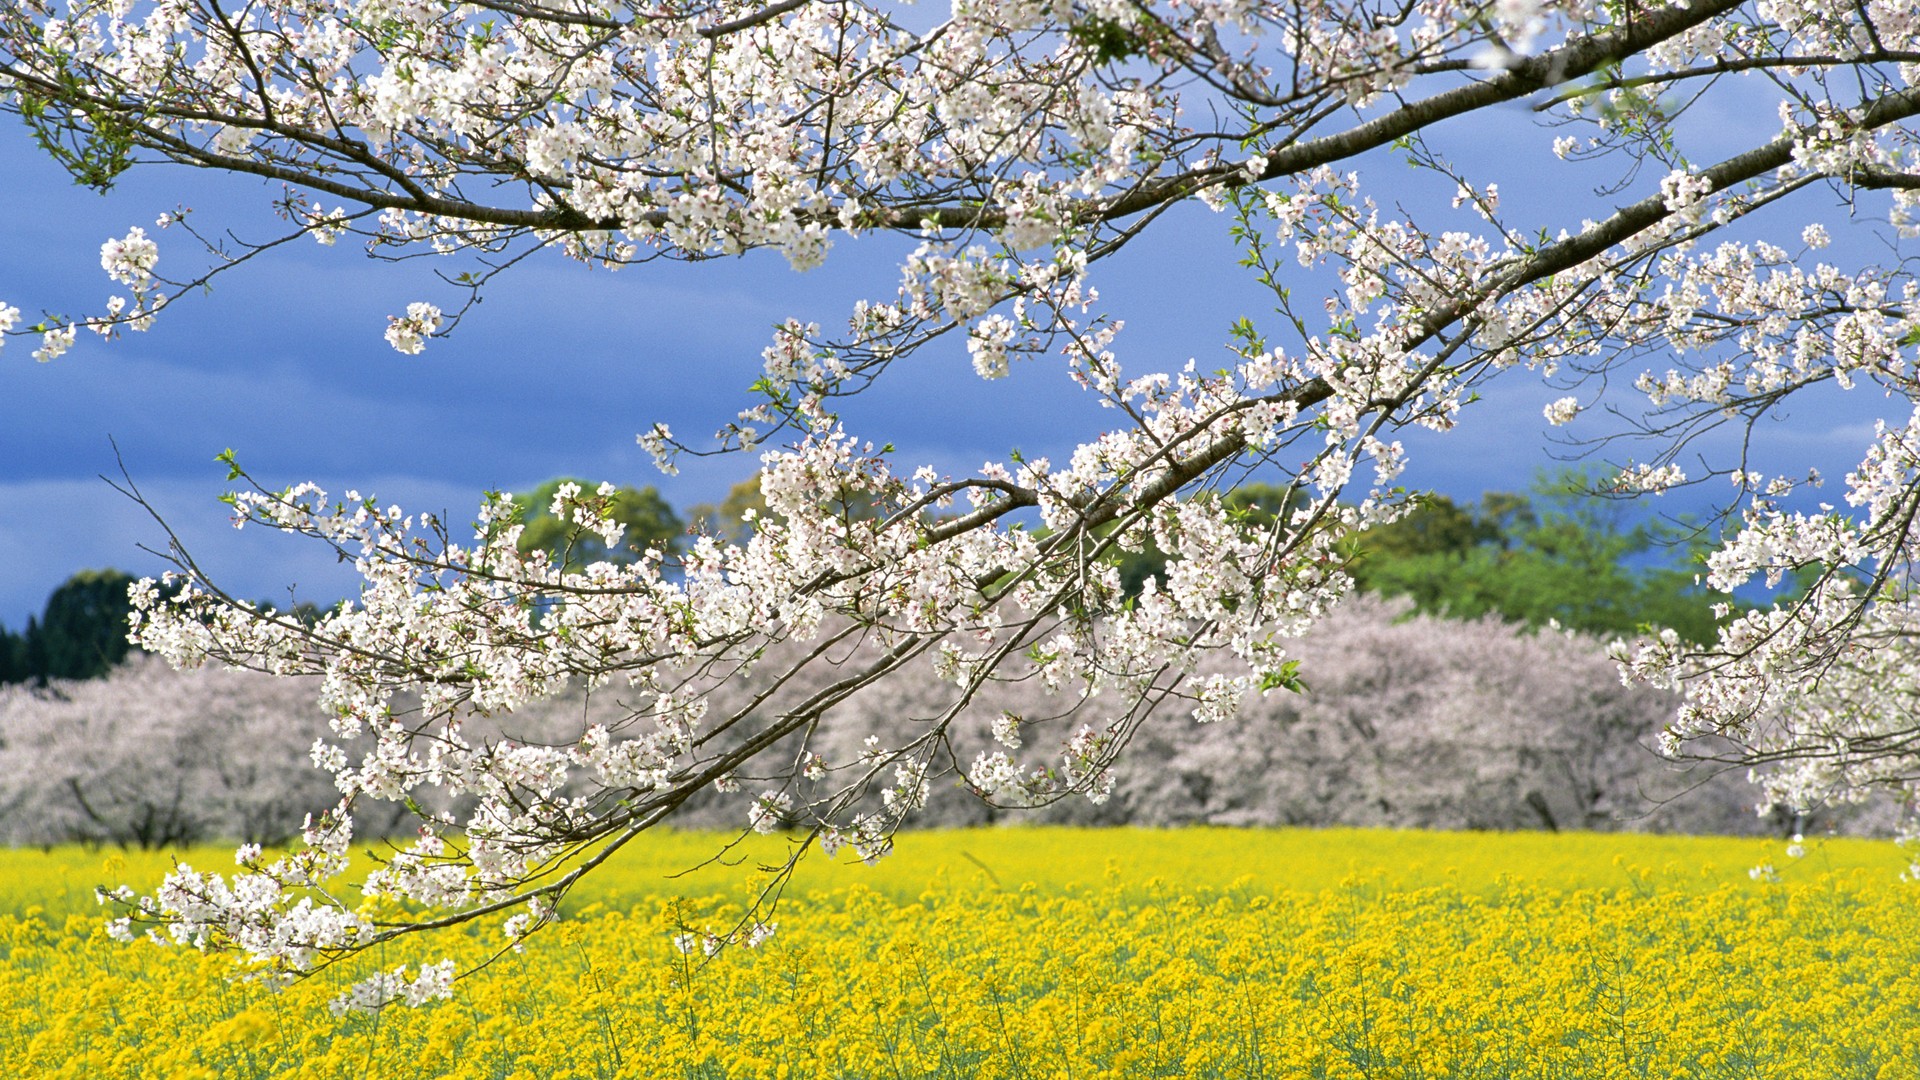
pixel 1055 953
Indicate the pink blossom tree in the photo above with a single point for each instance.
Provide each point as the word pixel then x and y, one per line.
pixel 1411 721
pixel 1406 720
pixel 1015 145
pixel 155 758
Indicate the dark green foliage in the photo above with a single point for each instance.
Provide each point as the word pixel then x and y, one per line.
pixel 1559 553
pixel 1108 41
pixel 81 635
pixel 84 629
pixel 13 657
pixel 1437 525
pixel 94 145
pixel 650 522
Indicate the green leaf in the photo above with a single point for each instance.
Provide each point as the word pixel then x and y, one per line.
pixel 1108 40
pixel 1286 677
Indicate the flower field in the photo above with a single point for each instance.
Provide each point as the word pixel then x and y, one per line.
pixel 1056 953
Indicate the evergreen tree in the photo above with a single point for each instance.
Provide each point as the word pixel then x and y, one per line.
pixel 82 634
pixel 85 625
pixel 34 653
pixel 13 657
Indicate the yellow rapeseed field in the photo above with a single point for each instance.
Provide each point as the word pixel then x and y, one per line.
pixel 1033 953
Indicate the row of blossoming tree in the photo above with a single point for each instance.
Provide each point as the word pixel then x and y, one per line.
pixel 1016 146
pixel 1411 722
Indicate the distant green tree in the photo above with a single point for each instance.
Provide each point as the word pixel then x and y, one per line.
pixel 84 629
pixel 82 634
pixel 1507 514
pixel 13 657
pixel 1561 553
pixel 650 523
pixel 34 652
pixel 1435 526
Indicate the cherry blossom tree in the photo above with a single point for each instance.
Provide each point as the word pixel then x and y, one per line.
pixel 1407 721
pixel 155 758
pixel 1014 146
pixel 1412 721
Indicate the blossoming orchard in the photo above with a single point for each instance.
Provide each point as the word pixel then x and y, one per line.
pixel 1015 146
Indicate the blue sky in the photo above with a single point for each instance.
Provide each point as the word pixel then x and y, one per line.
pixel 554 373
